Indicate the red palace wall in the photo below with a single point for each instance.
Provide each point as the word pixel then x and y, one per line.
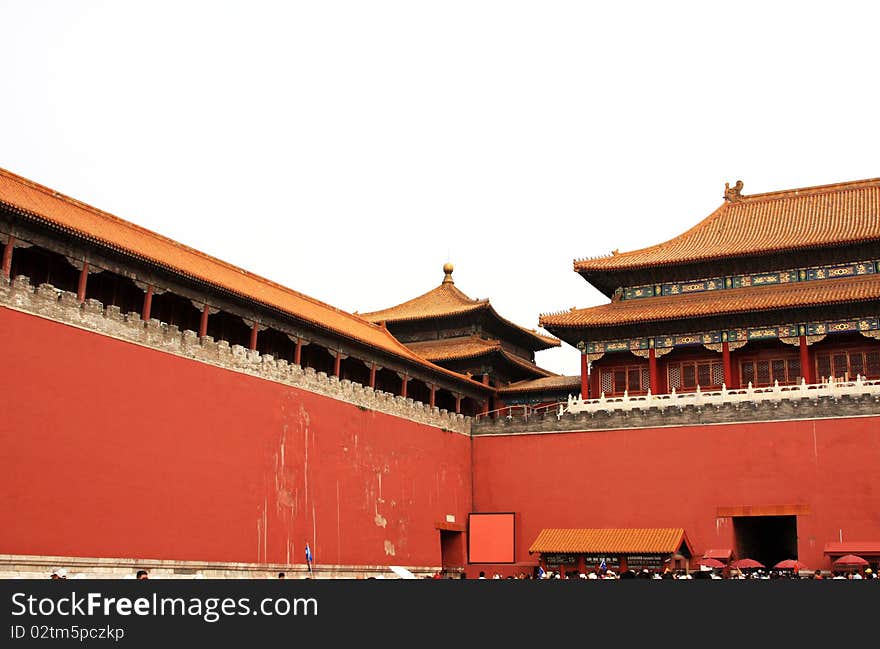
pixel 110 449
pixel 680 477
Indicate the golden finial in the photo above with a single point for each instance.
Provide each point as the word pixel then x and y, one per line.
pixel 447 270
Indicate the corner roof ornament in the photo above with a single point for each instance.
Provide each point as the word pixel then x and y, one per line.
pixel 733 194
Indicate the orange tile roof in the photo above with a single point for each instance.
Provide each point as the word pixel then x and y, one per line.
pixel 696 305
pixel 447 300
pixel 103 228
pixel 652 540
pixel 470 347
pixel 762 223
pixel 544 383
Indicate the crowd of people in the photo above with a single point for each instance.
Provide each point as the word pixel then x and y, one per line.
pixel 714 573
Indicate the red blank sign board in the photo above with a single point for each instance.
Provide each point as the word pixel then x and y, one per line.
pixel 490 538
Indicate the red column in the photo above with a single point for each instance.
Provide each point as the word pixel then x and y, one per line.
pixel 7 256
pixel 585 377
pixel 253 343
pixel 336 363
pixel 404 381
pixel 81 287
pixel 728 367
pixel 652 371
pixel 806 368
pixel 203 325
pixel 373 375
pixel 297 353
pixel 433 390
pixel 148 303
pixel 457 404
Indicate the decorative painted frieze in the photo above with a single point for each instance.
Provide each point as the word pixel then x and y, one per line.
pixel 810 274
pixel 736 338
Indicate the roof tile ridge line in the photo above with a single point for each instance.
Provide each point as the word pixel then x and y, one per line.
pixel 813 190
pixel 517 360
pixel 824 300
pixel 377 316
pixel 422 296
pixel 134 226
pixel 716 214
pixel 546 338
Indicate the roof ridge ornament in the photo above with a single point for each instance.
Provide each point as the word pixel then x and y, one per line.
pixel 447 273
pixel 733 194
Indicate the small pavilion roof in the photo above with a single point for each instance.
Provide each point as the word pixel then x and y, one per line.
pixel 653 540
pixel 74 217
pixel 789 220
pixel 545 384
pixel 449 349
pixel 447 300
pixel 696 305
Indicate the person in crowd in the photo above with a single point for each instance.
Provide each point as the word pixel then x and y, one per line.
pixel 142 574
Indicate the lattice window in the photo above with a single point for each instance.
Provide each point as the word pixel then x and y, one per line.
pixel 748 373
pixel 717 373
pixel 794 371
pixel 765 372
pixel 689 374
pixel 617 380
pixel 674 377
pixel 607 381
pixel 839 365
pixel 843 364
pixel 646 379
pixel 823 367
pixel 872 365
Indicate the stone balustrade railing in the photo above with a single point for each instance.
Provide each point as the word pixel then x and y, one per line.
pixel 833 388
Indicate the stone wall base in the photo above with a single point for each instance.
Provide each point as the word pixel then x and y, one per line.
pixel 22 566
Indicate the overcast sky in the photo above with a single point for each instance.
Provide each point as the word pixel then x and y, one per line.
pixel 349 149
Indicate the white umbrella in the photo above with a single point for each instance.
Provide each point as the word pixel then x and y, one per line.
pixel 402 572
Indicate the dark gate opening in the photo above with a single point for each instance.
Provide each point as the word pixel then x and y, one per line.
pixel 768 539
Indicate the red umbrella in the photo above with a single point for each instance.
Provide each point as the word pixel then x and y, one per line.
pixel 850 560
pixel 746 563
pixel 790 564
pixel 710 563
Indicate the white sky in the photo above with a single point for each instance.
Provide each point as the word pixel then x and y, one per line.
pixel 349 149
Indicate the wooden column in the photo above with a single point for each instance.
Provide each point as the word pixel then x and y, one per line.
pixel 585 377
pixel 252 345
pixel 404 380
pixel 433 392
pixel 297 352
pixel 728 366
pixel 806 368
pixel 373 375
pixel 457 404
pixel 7 256
pixel 81 286
pixel 148 303
pixel 653 376
pixel 337 362
pixel 203 325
